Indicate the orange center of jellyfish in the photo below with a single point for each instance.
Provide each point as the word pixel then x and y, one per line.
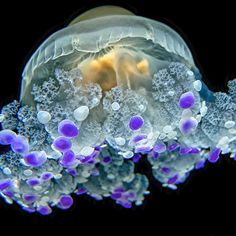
pixel 114 68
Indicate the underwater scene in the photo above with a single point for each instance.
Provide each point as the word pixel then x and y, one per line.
pixel 97 97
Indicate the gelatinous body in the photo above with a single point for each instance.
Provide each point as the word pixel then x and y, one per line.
pixel 95 98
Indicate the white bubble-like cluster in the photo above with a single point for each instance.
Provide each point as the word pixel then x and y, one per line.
pixel 106 168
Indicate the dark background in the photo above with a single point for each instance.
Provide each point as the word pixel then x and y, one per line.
pixel 205 204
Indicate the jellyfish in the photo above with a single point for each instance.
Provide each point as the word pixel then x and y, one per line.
pixel 97 96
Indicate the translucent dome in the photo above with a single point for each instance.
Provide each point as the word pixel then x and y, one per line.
pixel 114 41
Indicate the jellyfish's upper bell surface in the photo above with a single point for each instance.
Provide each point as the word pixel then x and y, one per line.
pixel 109 50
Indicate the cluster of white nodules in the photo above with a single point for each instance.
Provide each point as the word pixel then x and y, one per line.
pixel 79 139
pixel 199 125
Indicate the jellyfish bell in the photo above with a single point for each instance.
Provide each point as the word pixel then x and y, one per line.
pixel 95 97
pixel 117 65
pixel 118 48
pixel 110 49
